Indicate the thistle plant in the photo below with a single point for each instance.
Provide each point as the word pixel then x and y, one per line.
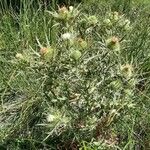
pixel 74 78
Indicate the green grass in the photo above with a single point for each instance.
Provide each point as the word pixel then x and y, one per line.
pixel 87 89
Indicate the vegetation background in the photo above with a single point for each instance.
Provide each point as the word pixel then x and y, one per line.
pixel 75 77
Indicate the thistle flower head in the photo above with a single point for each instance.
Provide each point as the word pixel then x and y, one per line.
pixel 63 10
pixel 47 53
pixel 43 50
pixel 113 43
pixel 127 70
pixel 65 14
pixel 114 40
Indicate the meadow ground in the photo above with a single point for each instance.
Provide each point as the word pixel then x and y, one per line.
pixel 75 77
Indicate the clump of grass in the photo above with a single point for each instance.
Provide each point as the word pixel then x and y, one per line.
pixel 72 78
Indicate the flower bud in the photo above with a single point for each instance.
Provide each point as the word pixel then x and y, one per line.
pixel 128 92
pixel 117 84
pixel 75 54
pixel 82 43
pixel 92 20
pixel 115 16
pixel 127 26
pixel 107 22
pixel 132 82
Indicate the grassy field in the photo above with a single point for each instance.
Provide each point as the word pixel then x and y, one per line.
pixel 75 77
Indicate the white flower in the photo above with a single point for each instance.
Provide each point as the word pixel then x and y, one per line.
pixel 50 118
pixel 71 8
pixel 67 36
pixel 19 56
